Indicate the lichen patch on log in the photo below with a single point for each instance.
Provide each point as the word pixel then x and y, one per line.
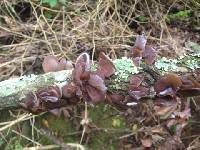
pixel 14 90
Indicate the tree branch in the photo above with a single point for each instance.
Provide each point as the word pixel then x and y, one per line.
pixel 13 91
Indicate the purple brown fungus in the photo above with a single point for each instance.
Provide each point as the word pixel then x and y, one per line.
pixel 50 94
pixel 168 85
pixel 105 67
pixel 142 51
pixel 52 64
pixel 63 64
pixel 90 85
pixel 135 89
pixel 44 99
pixel 189 88
pixel 32 103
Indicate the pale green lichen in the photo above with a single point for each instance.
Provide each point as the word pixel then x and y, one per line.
pixel 194 47
pixel 190 61
pixel 166 65
pixel 192 64
pixel 124 68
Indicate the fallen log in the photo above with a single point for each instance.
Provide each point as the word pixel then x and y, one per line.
pixel 13 91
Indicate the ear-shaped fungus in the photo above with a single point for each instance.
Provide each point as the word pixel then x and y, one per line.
pixel 167 85
pixel 63 64
pixel 135 81
pixel 32 103
pixel 141 51
pixel 105 66
pixel 149 55
pixel 82 68
pixel 97 82
pixel 44 99
pixel 90 85
pixel 189 88
pixel 135 90
pixel 50 64
pixel 69 91
pixel 50 94
pixel 138 92
pixel 140 42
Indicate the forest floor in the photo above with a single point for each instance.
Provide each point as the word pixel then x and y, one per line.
pixel 33 29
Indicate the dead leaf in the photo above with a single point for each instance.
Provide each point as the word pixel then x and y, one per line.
pixel 165 106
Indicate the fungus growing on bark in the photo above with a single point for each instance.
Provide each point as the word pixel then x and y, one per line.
pixel 189 87
pixel 50 94
pixel 105 67
pixel 32 103
pixel 52 64
pixel 172 84
pixel 149 55
pixel 135 89
pixel 135 81
pixel 63 64
pixel 167 85
pixel 69 91
pixel 90 86
pixel 44 99
pixel 141 51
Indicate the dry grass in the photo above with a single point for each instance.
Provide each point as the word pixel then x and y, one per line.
pixel 79 26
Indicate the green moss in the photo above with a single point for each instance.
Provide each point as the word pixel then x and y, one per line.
pixel 124 67
pixel 181 15
pixel 103 118
pixel 14 144
pixel 192 64
pixel 142 18
pixel 189 61
pixel 58 126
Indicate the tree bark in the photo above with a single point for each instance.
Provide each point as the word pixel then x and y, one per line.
pixel 13 91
